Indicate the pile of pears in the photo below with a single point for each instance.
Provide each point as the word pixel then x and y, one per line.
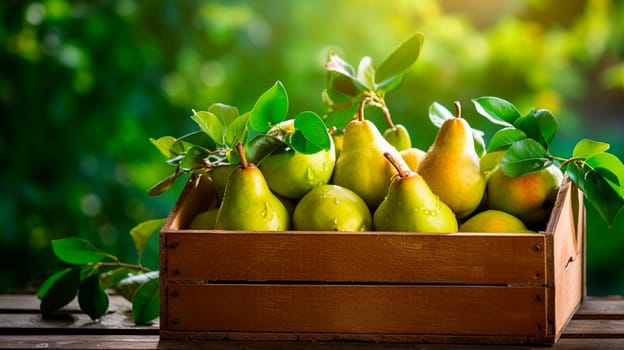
pixel 373 181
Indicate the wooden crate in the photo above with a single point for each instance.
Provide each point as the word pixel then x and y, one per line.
pixel 373 286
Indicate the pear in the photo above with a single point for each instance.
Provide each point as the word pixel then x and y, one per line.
pixel 530 197
pixel 292 174
pixel 398 136
pixel 411 206
pixel 204 220
pixel 412 156
pixel 451 166
pixel 332 208
pixel 361 166
pixel 248 203
pixel 494 221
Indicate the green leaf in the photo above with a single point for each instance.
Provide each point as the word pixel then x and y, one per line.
pixel 524 157
pixel 260 147
pixel 142 232
pixel 60 289
pixel 194 139
pixel 490 160
pixel 163 185
pixel 77 251
pixel 195 158
pixel 504 138
pixel 336 64
pixel 587 148
pixel 438 114
pixel 128 286
pixel 236 131
pixel 164 145
pixel 366 73
pixel 270 108
pixel 602 196
pixel 610 167
pixel 340 117
pixel 310 134
pixel 224 112
pixel 146 302
pixel 211 125
pixel 400 59
pixel 479 141
pixel 91 297
pixel 577 174
pixel 111 278
pixel 539 125
pixel 391 84
pixel 340 89
pixel 497 110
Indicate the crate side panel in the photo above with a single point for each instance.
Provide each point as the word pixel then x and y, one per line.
pixel 363 257
pixel 367 309
pixel 568 259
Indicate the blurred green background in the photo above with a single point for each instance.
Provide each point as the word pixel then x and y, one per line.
pixel 84 84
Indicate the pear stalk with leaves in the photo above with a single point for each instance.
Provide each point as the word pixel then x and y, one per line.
pixel 411 206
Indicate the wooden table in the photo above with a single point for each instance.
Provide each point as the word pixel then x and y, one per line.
pixel 598 324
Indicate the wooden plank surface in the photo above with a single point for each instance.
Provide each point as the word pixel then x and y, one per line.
pixel 587 330
pixel 353 309
pixel 362 257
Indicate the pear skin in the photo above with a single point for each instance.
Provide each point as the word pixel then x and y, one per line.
pixel 411 206
pixel 204 220
pixel 529 197
pixel 361 166
pixel 494 221
pixel 332 208
pixel 412 157
pixel 451 167
pixel 248 203
pixel 398 136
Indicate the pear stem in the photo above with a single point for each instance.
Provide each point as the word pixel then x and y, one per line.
pixel 457 109
pixel 332 130
pixel 241 152
pixel 363 104
pixel 403 172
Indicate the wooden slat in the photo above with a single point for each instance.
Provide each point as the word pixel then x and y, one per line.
pixel 595 329
pixel 363 257
pixel 357 309
pixel 72 323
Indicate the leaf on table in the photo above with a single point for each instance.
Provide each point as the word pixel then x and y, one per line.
pixel 58 290
pixel 92 298
pixel 77 251
pixel 497 110
pixel 146 302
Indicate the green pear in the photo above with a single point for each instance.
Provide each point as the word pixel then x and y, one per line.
pixel 451 167
pixel 411 206
pixel 398 136
pixel 494 221
pixel 248 203
pixel 332 208
pixel 292 174
pixel 204 220
pixel 361 166
pixel 530 197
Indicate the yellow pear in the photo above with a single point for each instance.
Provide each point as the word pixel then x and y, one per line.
pixel 204 220
pixel 451 166
pixel 412 157
pixel 494 221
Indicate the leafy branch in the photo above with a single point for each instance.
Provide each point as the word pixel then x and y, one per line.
pixel 347 88
pixel 523 146
pixel 92 271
